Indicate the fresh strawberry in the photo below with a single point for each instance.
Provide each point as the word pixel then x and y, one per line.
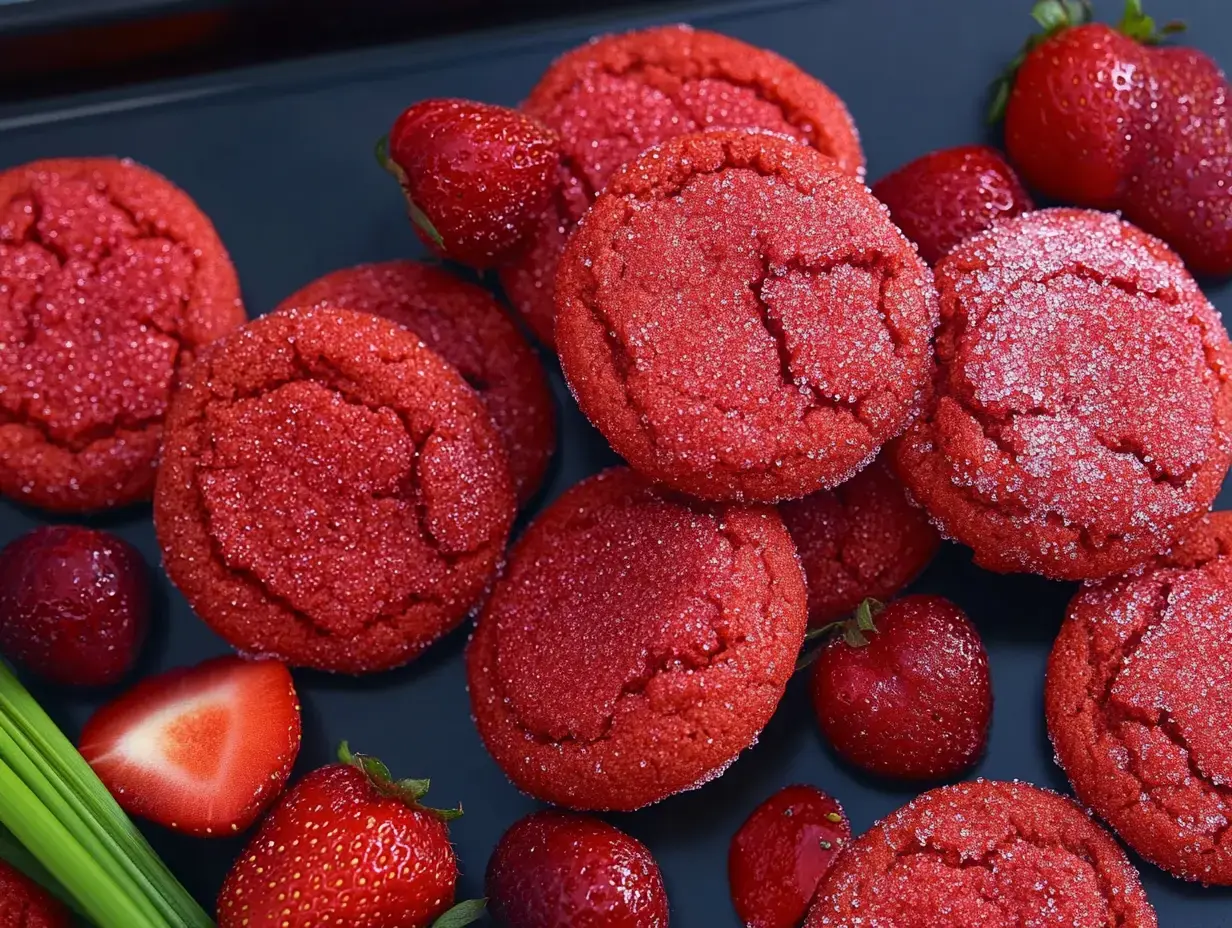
pixel 24 904
pixel 557 870
pixel 949 195
pixel 350 846
pixel 201 750
pixel 905 691
pixel 74 604
pixel 1103 117
pixel 476 176
pixel 780 854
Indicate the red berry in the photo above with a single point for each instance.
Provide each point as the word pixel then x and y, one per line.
pixel 23 904
pixel 556 870
pixel 949 195
pixel 1103 117
pixel 780 854
pixel 74 604
pixel 476 176
pixel 201 750
pixel 351 846
pixel 910 697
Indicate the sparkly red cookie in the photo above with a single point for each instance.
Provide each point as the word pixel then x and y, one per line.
pixel 740 319
pixel 111 279
pixel 1080 422
pixel 1136 698
pixel 636 644
pixel 984 854
pixel 863 539
pixel 467 327
pixel 616 96
pixel 331 493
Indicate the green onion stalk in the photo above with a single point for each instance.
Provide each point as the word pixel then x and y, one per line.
pixel 62 827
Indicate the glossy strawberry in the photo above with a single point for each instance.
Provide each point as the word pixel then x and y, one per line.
pixel 476 176
pixel 558 870
pixel 905 692
pixel 781 852
pixel 1104 117
pixel 201 750
pixel 348 845
pixel 74 604
pixel 24 904
pixel 949 195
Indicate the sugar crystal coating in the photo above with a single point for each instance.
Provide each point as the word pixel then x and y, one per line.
pixel 636 644
pixel 741 319
pixel 618 95
pixel 467 327
pixel 984 854
pixel 332 493
pixel 1138 710
pixel 1080 417
pixel 111 279
pixel 863 539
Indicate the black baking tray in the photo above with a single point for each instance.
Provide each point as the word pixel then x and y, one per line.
pixel 280 157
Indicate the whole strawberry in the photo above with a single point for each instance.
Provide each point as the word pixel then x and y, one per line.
pixel 74 604
pixel 476 176
pixel 558 870
pixel 905 692
pixel 780 854
pixel 23 904
pixel 949 195
pixel 350 846
pixel 1103 117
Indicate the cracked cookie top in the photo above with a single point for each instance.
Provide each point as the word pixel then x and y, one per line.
pixel 741 319
pixel 111 279
pixel 332 493
pixel 863 539
pixel 984 854
pixel 614 97
pixel 465 325
pixel 636 644
pixel 1080 417
pixel 1138 709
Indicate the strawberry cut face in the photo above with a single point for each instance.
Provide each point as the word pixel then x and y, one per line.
pixel 201 750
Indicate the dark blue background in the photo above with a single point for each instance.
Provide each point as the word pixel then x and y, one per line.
pixel 280 157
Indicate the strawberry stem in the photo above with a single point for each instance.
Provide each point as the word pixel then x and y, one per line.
pixel 1137 25
pixel 408 792
pixel 464 913
pixel 1053 16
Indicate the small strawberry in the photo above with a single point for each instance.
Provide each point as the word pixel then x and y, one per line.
pixel 348 845
pixel 74 604
pixel 1103 117
pixel 905 692
pixel 780 854
pixel 949 195
pixel 24 904
pixel 201 750
pixel 558 870
pixel 476 176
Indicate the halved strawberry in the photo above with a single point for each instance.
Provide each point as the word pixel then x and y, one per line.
pixel 201 750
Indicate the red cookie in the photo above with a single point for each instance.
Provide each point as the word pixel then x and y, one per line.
pixel 111 279
pixel 616 96
pixel 467 327
pixel 863 539
pixel 1137 706
pixel 331 493
pixel 984 854
pixel 1082 399
pixel 741 320
pixel 636 644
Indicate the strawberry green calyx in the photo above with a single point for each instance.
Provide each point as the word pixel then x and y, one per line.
pixel 1137 25
pixel 408 792
pixel 418 216
pixel 464 913
pixel 1052 16
pixel 855 630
